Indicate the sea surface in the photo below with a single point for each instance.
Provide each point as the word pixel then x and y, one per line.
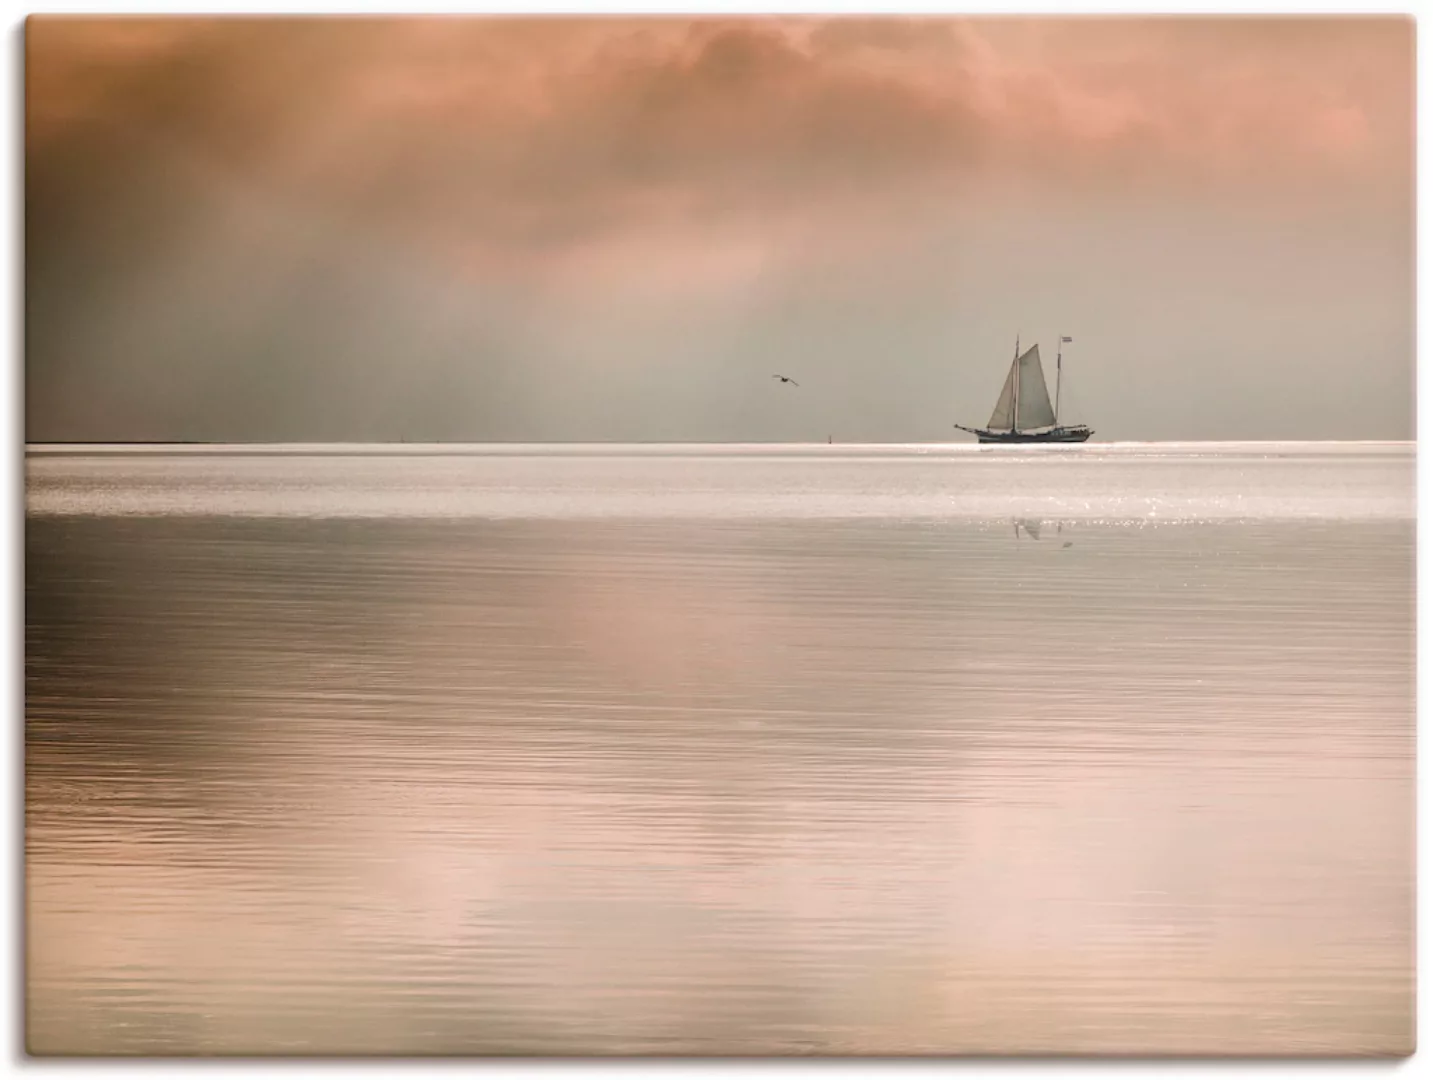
pixel 720 750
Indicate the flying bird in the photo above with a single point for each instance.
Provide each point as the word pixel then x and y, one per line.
pixel 784 379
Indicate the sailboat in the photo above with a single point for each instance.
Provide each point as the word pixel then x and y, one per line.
pixel 1023 413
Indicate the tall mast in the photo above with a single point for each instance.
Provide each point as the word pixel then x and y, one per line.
pixel 1058 350
pixel 1015 402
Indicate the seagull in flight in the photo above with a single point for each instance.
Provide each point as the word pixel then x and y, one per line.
pixel 784 379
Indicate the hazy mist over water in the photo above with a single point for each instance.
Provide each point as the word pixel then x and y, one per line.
pixel 721 750
pixel 619 229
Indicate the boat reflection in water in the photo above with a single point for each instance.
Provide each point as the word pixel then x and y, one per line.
pixel 1031 527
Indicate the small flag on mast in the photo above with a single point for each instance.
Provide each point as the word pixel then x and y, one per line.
pixel 1064 339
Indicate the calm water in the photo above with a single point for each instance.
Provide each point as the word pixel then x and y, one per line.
pixel 721 750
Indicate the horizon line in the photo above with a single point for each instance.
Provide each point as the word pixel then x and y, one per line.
pixel 49 444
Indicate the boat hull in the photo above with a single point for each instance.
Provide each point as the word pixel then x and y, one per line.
pixel 1020 438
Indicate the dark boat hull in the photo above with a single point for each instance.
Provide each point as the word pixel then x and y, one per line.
pixel 1021 438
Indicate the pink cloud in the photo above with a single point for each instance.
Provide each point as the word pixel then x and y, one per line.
pixel 523 139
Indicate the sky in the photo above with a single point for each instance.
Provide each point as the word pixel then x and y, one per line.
pixel 592 229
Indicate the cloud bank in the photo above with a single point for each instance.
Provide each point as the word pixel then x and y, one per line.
pixel 615 228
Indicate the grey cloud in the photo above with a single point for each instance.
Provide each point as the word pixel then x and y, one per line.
pixel 313 230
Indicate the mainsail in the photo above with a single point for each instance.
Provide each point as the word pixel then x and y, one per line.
pixel 1034 399
pixel 1005 407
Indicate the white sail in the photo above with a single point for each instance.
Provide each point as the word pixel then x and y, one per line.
pixel 1034 400
pixel 1005 407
